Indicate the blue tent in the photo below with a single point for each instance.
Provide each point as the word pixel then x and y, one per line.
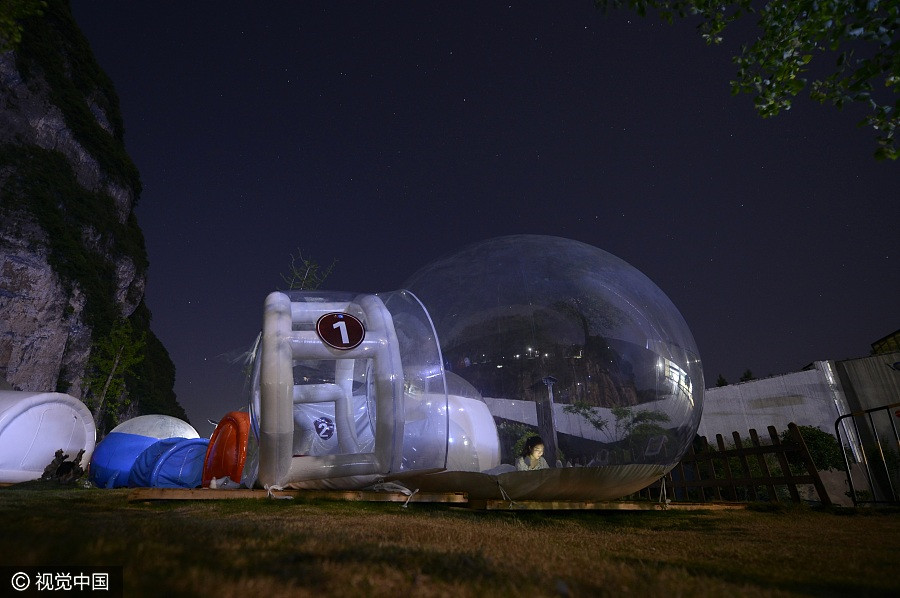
pixel 170 463
pixel 114 457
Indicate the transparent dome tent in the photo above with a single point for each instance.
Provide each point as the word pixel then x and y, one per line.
pixel 439 385
pixel 571 343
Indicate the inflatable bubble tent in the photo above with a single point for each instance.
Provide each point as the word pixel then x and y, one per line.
pixel 448 378
pixel 569 342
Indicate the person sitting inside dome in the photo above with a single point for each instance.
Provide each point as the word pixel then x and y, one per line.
pixel 532 457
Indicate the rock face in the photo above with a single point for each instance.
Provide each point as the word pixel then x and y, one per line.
pixel 42 332
pixel 72 257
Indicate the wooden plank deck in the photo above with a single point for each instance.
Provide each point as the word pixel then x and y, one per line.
pixel 453 498
pixel 150 494
pixel 534 505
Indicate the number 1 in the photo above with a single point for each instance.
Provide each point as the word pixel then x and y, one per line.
pixel 345 338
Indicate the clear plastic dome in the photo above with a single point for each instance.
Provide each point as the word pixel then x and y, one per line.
pixel 569 342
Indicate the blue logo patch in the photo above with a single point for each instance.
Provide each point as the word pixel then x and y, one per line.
pixel 324 428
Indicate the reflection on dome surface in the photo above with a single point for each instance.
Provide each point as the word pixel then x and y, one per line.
pixel 569 342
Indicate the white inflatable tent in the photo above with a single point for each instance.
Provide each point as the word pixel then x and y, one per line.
pixel 34 425
pixel 349 389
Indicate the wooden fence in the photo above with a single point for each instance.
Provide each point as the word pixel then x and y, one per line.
pixel 742 473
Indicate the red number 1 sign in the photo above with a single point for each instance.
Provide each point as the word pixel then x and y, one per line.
pixel 340 330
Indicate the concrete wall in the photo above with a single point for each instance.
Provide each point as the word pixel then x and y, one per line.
pixel 816 396
pixel 807 398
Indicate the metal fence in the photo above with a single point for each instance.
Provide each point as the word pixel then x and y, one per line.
pixel 870 438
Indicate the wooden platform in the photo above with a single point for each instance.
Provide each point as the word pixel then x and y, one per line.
pixel 618 505
pixel 148 494
pixel 453 498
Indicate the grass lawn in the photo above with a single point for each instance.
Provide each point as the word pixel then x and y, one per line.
pixel 319 548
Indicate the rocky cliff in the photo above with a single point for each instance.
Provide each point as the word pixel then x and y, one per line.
pixel 72 256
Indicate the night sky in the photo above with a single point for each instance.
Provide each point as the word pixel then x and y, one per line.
pixel 387 134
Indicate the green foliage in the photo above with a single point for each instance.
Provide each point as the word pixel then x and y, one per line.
pixel 638 425
pixel 747 376
pixel 113 360
pixel 53 46
pixel 721 381
pixel 823 448
pixel 154 377
pixel 623 418
pixel 632 429
pixel 858 37
pixel 509 433
pixel 306 274
pixel 144 369
pixel 644 425
pixel 587 412
pixel 12 13
pixel 41 183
